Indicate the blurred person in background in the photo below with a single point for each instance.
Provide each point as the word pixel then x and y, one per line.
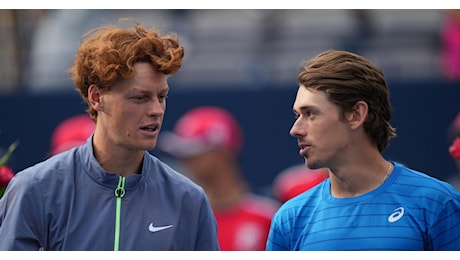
pixel 454 150
pixel 450 44
pixel 71 132
pixel 296 179
pixel 17 27
pixel 453 133
pixel 111 193
pixel 206 141
pixel 57 36
pixel 343 114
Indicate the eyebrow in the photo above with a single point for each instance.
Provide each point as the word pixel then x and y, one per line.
pixel 143 91
pixel 306 107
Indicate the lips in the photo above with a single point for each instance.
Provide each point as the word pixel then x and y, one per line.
pixel 303 149
pixel 151 127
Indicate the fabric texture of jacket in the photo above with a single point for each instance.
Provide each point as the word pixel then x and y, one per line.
pixel 69 202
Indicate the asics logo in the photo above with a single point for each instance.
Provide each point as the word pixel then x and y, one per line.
pixel 153 228
pixel 397 214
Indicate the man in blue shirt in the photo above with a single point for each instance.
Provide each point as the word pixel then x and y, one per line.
pixel 342 123
pixel 111 193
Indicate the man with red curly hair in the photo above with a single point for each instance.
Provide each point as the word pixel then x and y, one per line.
pixel 111 193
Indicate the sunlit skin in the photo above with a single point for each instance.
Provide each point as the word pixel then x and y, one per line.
pixel 129 119
pixel 327 139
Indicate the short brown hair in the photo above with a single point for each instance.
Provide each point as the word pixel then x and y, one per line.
pixel 348 78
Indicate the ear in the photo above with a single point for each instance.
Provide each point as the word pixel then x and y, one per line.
pixel 95 97
pixel 358 115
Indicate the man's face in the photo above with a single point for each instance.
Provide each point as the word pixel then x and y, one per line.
pixel 321 132
pixel 132 111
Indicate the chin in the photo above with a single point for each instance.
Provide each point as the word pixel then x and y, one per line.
pixel 311 164
pixel 148 146
pixel 151 147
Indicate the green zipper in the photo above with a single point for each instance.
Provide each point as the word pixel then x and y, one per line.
pixel 119 193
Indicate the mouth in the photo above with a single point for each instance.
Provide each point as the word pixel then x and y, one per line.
pixel 151 128
pixel 303 149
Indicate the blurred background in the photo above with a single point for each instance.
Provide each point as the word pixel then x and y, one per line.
pixel 245 61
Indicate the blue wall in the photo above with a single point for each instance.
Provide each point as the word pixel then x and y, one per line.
pixel 422 114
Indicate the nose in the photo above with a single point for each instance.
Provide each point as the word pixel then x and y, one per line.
pixel 296 129
pixel 292 132
pixel 156 108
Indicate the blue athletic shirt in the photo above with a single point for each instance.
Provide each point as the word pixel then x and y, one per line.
pixel 409 211
pixel 68 202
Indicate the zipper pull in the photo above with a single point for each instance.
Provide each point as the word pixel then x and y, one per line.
pixel 120 190
pixel 119 193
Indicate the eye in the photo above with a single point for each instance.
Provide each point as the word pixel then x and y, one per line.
pixel 311 114
pixel 308 113
pixel 162 97
pixel 139 98
pixel 296 116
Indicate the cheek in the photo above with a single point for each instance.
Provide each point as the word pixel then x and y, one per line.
pixel 329 133
pixel 123 118
pixel 127 111
pixel 335 136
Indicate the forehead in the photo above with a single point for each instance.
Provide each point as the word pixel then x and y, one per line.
pixel 306 96
pixel 145 79
pixel 311 98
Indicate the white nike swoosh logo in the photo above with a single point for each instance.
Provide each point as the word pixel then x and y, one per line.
pixel 152 228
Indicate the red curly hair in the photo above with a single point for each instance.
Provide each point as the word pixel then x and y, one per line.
pixel 107 54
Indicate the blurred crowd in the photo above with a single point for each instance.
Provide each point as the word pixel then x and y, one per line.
pixel 230 48
pixel 235 47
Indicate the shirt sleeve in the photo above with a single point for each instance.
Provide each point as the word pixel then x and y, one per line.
pixel 21 216
pixel 445 232
pixel 278 234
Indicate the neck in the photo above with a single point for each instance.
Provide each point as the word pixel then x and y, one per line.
pixel 118 162
pixel 352 181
